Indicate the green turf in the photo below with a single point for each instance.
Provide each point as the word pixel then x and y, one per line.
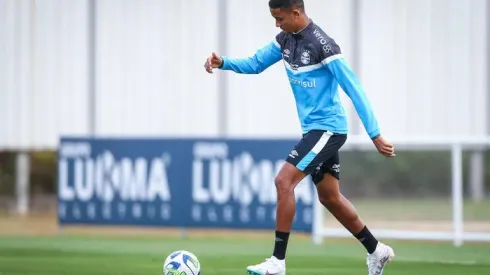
pixel 102 255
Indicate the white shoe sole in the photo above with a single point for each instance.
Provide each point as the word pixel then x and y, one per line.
pixel 251 272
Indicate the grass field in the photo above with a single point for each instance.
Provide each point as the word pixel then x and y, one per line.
pixel 31 245
pixel 79 255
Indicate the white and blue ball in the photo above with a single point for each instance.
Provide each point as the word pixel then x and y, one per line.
pixel 181 262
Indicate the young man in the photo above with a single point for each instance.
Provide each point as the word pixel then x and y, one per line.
pixel 315 68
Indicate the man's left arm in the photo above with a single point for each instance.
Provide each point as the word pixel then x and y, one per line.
pixel 351 85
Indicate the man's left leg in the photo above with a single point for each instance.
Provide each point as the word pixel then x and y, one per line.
pixel 326 180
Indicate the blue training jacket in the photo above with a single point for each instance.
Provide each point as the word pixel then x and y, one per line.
pixel 315 67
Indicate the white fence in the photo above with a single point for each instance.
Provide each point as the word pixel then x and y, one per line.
pixel 134 68
pixel 125 67
pixel 458 235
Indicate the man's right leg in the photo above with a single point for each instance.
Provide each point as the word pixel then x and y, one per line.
pixel 307 155
pixel 326 180
pixel 286 181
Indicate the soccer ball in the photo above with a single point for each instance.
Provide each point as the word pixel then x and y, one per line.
pixel 181 262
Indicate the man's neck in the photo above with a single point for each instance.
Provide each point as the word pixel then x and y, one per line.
pixel 305 21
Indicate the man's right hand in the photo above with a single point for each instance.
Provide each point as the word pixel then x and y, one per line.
pixel 213 62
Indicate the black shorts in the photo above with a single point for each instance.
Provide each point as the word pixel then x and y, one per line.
pixel 317 153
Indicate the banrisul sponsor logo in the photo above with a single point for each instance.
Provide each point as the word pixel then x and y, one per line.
pixel 304 84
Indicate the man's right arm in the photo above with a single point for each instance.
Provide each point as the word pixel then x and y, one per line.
pixel 261 60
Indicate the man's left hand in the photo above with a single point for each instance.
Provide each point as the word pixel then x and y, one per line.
pixel 384 147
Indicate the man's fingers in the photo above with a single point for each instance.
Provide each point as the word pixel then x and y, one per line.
pixel 387 151
pixel 214 61
pixel 385 148
pixel 390 152
pixel 208 66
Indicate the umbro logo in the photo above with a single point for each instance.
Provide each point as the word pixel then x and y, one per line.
pixel 293 154
pixel 286 53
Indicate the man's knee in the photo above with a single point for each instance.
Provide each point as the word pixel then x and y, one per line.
pixel 283 184
pixel 288 177
pixel 330 199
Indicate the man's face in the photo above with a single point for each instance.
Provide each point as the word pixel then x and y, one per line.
pixel 286 19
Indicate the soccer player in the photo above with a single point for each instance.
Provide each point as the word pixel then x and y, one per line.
pixel 315 67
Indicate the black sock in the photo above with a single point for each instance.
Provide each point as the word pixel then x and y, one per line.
pixel 367 239
pixel 281 245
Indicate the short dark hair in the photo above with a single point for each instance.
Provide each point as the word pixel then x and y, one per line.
pixel 286 4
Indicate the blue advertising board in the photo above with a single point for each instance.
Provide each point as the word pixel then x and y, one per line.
pixel 204 183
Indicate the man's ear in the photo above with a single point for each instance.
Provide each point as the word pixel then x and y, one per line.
pixel 296 13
